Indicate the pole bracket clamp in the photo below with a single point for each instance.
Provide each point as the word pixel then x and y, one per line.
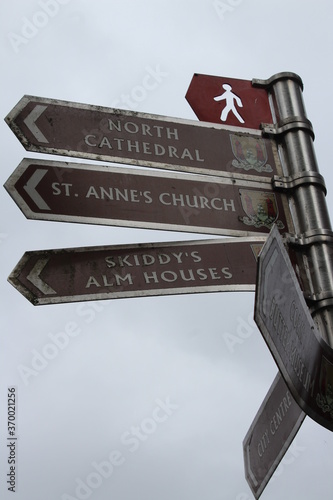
pixel 289 124
pixel 319 301
pixel 285 75
pixel 309 238
pixel 288 183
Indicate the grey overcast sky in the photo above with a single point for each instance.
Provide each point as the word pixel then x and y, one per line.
pixel 145 398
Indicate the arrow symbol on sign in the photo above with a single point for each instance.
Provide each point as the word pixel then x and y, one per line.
pixel 30 122
pixel 36 280
pixel 30 188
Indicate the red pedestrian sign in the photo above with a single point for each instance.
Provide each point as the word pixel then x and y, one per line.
pixel 228 101
pixel 106 134
pixel 110 272
pixel 70 192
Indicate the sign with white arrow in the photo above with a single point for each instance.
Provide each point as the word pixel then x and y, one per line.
pixel 98 133
pixel 109 272
pixel 69 192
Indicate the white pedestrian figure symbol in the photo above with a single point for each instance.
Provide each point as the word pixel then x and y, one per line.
pixel 231 100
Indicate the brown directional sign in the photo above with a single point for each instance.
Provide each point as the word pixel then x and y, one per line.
pixel 270 435
pixel 60 191
pixel 98 133
pixel 109 272
pixel 220 99
pixel 281 313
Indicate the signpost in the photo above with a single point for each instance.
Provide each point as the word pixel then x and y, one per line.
pixel 228 101
pixel 283 317
pixel 78 274
pixel 70 192
pixel 270 435
pixel 113 135
pixel 237 199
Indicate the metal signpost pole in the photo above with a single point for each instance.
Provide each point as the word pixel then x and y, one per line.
pixel 310 247
pixel 305 186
